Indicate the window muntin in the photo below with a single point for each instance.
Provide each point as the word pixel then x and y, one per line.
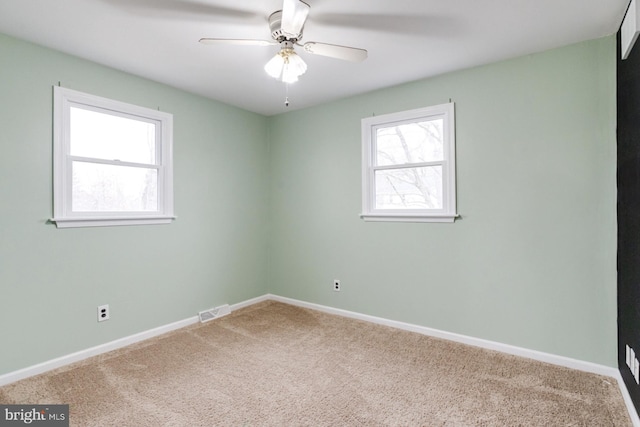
pixel 409 165
pixel 112 162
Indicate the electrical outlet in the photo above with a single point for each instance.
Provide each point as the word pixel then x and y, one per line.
pixel 636 370
pixel 628 355
pixel 336 285
pixel 103 312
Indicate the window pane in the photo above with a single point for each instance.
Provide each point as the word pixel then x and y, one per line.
pixel 110 188
pixel 409 188
pixel 109 137
pixel 410 143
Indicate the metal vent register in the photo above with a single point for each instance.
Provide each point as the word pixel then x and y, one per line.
pixel 214 313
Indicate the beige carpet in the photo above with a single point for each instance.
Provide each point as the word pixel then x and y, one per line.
pixel 273 364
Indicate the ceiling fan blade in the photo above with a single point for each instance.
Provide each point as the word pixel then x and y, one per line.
pixel 335 51
pixel 191 9
pixel 294 15
pixel 237 42
pixel 418 25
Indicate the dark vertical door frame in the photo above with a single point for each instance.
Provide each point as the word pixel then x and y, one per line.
pixel 628 180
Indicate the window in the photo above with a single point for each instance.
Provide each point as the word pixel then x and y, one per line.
pixel 408 166
pixel 112 162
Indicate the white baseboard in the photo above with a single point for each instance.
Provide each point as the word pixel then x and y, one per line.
pixel 93 351
pixel 464 339
pixel 112 345
pixel 247 303
pixel 633 414
pixel 477 342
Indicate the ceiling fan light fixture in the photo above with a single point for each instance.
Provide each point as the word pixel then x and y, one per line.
pixel 295 64
pixel 274 66
pixel 286 65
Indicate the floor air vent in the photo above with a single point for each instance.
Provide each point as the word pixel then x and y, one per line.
pixel 214 313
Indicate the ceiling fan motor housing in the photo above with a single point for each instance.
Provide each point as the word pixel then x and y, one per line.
pixel 275 25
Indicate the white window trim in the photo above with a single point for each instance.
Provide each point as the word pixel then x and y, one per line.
pixel 448 212
pixel 63 216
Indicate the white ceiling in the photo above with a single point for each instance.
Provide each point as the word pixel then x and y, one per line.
pixel 407 40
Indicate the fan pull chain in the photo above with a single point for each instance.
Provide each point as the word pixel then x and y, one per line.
pixel 286 95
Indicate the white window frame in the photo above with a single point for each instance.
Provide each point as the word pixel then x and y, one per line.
pixel 369 167
pixel 63 215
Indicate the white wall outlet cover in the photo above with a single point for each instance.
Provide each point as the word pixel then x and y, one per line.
pixel 627 354
pixel 103 313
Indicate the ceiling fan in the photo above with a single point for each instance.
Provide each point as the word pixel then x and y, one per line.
pixel 286 27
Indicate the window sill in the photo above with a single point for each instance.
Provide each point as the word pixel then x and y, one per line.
pixel 409 217
pixel 110 222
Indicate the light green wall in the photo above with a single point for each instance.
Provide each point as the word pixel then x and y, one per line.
pixel 52 280
pixel 532 262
